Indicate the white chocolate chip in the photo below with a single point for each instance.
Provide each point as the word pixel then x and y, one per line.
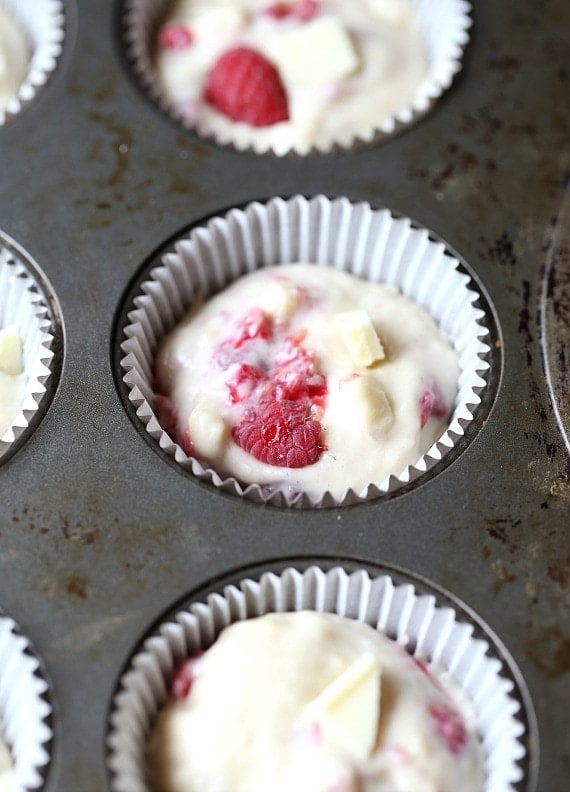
pixel 360 337
pixel 366 402
pixel 319 51
pixel 280 300
pixel 208 430
pixel 348 709
pixel 10 351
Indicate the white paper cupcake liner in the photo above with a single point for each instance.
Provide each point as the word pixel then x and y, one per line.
pixel 444 23
pixel 428 630
pixel 43 22
pixel 23 305
pixel 25 711
pixel 368 243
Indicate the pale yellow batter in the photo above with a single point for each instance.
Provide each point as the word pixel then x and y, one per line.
pixel 14 57
pixel 313 703
pixel 391 377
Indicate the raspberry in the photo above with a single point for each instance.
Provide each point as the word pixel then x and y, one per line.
pixel 295 378
pixel 303 10
pixel 280 433
pixel 431 403
pixel 277 10
pixel 243 381
pixel 175 37
pixel 256 324
pixel 449 726
pixel 186 443
pixel 245 86
pixel 183 677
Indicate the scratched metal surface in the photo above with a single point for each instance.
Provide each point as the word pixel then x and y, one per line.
pixel 98 535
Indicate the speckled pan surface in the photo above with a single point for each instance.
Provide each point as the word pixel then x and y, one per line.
pixel 99 536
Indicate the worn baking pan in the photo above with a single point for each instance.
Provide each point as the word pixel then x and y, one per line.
pixel 100 535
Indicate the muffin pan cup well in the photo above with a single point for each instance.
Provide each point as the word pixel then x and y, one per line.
pixel 27 301
pixel 371 244
pixel 25 707
pixel 444 28
pixel 43 23
pixel 429 630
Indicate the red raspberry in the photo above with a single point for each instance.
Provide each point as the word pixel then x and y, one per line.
pixel 280 433
pixel 450 726
pixel 295 378
pixel 242 382
pixel 277 10
pixel 303 10
pixel 432 403
pixel 183 676
pixel 175 37
pixel 245 86
pixel 256 324
pixel 186 443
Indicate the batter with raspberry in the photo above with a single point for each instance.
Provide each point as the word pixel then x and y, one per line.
pixel 316 703
pixel 306 379
pixel 294 74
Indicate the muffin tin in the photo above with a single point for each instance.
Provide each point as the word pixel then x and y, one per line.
pixel 100 536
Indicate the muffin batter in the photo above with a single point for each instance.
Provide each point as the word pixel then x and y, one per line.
pixel 14 57
pixel 306 379
pixel 12 378
pixel 322 71
pixel 316 703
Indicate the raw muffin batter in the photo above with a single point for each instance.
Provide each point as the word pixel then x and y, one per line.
pixel 8 781
pixel 311 702
pixel 290 74
pixel 12 378
pixel 14 57
pixel 306 379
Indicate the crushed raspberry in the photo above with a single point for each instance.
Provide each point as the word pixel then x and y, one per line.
pixel 245 86
pixel 280 433
pixel 186 443
pixel 175 37
pixel 303 10
pixel 432 403
pixel 256 324
pixel 450 726
pixel 242 382
pixel 183 677
pixel 277 10
pixel 295 377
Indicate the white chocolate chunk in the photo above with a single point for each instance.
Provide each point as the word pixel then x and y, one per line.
pixel 280 300
pixel 360 337
pixel 348 709
pixel 319 51
pixel 366 402
pixel 10 351
pixel 208 430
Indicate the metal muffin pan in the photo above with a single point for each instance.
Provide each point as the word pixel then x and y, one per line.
pixel 100 536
